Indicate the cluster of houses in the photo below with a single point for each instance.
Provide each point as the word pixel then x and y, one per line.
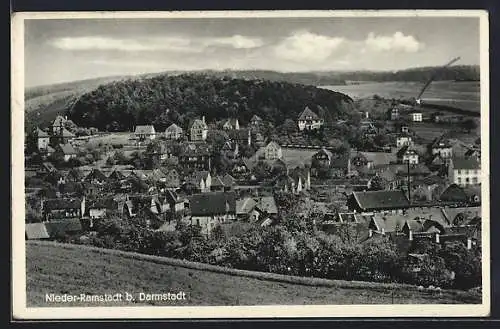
pixel 413 191
pixel 56 140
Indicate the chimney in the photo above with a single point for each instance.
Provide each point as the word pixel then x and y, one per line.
pixel 469 243
pixel 410 235
pixel 437 237
pixel 203 119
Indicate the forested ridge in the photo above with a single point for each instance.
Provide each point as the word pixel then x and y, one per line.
pixel 163 99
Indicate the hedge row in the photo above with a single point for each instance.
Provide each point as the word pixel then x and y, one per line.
pixel 308 281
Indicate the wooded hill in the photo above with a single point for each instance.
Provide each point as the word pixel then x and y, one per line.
pixel 162 100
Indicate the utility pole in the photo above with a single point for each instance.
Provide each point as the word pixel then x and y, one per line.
pixel 409 181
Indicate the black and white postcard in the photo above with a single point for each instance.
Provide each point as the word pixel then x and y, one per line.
pixel 250 164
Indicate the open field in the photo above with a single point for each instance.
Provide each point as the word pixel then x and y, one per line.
pixel 72 269
pixel 463 95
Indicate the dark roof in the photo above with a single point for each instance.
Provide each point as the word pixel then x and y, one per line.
pixel 406 150
pixel 75 175
pixel 374 200
pixel 116 175
pixel 453 193
pixel 100 203
pixel 40 133
pixel 441 143
pixel 96 174
pixel 239 135
pixel 52 204
pixel 67 149
pixel 61 227
pixel 206 204
pixel 217 182
pixel 465 163
pixel 308 113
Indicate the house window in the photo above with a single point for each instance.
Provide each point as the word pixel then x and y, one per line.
pixel 459 180
pixel 467 180
pixel 474 180
pixel 459 171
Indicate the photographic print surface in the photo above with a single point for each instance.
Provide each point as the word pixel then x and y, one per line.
pixel 289 164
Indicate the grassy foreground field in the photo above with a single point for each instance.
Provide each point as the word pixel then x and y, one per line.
pixel 69 269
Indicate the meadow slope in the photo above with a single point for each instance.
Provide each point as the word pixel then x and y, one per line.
pixel 72 269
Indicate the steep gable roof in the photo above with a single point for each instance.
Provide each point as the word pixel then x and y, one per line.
pixel 59 121
pixel 173 128
pixel 308 113
pixel 40 133
pixel 199 124
pixel 68 134
pixel 67 149
pixel 56 204
pixel 375 200
pixel 255 118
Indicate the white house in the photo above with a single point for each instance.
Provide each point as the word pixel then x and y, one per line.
pixel 145 132
pixel 415 116
pixel 443 148
pixel 464 171
pixel 43 139
pixel 211 209
pixel 407 154
pixel 273 151
pixel 308 120
pixel 198 130
pixel 404 140
pixel 173 132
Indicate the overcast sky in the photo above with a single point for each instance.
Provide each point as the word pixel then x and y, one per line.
pixel 67 50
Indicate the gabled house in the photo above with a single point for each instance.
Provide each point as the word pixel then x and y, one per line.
pixel 240 136
pixel 75 175
pixel 404 140
pixel 195 156
pixel 96 177
pixel 415 116
pixel 100 207
pixel 408 154
pixel 443 148
pixel 171 202
pixel 335 165
pixel 66 136
pixel 378 201
pixel 464 171
pixel 308 120
pixel 116 176
pixel 172 179
pixel 241 168
pixel 256 209
pixel 231 124
pixel 256 122
pixel 144 132
pixel 273 151
pixel 230 149
pixel 65 151
pixel 394 114
pixel 63 208
pixel 198 130
pixel 58 125
pixel 173 132
pixel 211 209
pixel 43 139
